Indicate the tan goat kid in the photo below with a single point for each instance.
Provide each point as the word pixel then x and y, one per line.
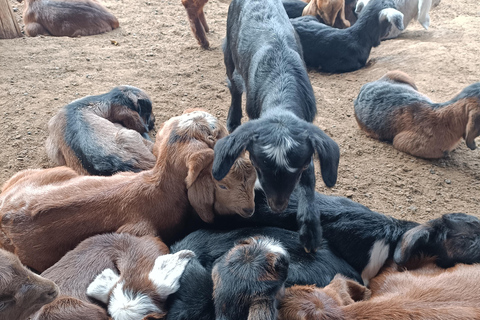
pixel 46 213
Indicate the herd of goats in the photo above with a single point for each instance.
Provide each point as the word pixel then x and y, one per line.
pixel 215 221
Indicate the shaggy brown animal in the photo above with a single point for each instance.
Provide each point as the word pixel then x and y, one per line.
pixel 332 12
pixel 197 20
pixel 46 213
pixel 70 18
pixel 22 292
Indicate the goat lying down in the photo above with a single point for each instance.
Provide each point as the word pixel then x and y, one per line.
pixel 71 18
pixel 391 109
pixel 129 275
pixel 46 213
pixel 411 9
pixel 332 12
pixel 102 135
pixel 22 292
pixel 344 50
pixel 262 52
pixel 428 292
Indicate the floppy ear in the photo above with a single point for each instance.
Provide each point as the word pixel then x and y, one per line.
pixel 360 5
pixel 423 9
pixel 410 242
pixel 310 9
pixel 154 316
pixel 103 284
pixel 228 149
pixel 348 291
pixel 328 153
pixel 200 185
pixel 393 16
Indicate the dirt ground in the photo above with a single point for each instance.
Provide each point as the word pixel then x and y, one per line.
pixel 157 52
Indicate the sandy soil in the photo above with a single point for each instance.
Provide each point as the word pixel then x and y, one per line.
pixel 157 53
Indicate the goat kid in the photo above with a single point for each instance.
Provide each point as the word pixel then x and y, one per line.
pixel 294 9
pixel 46 213
pixel 67 18
pixel 22 292
pixel 411 9
pixel 198 22
pixel 261 50
pixel 332 12
pixel 391 109
pixel 104 134
pixel 344 50
pixel 252 274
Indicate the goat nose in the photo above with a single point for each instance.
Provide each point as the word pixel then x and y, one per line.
pixel 248 211
pixel 278 206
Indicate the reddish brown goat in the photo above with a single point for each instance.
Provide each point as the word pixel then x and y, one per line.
pixel 427 293
pixel 70 18
pixel 332 12
pixel 128 262
pixel 46 213
pixel 197 20
pixel 22 292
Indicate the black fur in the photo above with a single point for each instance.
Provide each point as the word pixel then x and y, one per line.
pixel 294 8
pixel 263 54
pixel 344 50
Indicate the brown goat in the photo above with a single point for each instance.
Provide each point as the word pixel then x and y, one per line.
pixel 427 293
pixel 332 12
pixel 197 20
pixel 71 18
pixel 46 213
pixel 22 292
pixel 104 134
pixel 129 261
pixel 391 109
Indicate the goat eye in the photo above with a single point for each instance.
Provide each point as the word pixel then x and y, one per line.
pixel 222 187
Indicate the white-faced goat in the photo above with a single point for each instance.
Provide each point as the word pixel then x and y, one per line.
pixel 391 109
pixel 46 213
pixel 344 50
pixel 262 52
pixel 131 276
pixel 102 135
pixel 411 9
pixel 252 274
pixel 70 18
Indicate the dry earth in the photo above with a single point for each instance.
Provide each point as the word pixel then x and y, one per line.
pixel 157 53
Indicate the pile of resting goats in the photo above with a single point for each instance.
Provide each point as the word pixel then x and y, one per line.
pixel 222 221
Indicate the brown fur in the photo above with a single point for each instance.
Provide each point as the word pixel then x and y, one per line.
pixel 197 20
pixel 427 293
pixel 332 12
pixel 21 291
pixel 399 76
pixel 70 18
pixel 133 257
pixel 46 213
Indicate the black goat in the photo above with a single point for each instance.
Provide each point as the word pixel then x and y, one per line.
pixel 262 52
pixel 294 8
pixel 344 50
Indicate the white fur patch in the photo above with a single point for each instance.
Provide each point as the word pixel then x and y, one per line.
pixel 258 185
pixel 167 271
pixel 273 246
pixel 186 120
pixel 278 153
pixel 378 255
pixel 125 305
pixel 102 285
pixel 360 5
pixel 391 15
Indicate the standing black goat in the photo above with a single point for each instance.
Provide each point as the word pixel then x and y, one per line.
pixel 344 50
pixel 262 52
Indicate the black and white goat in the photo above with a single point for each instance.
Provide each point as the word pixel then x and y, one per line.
pixel 262 52
pixel 344 50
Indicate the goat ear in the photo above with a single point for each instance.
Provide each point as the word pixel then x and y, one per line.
pixel 103 284
pixel 472 130
pixel 200 185
pixel 310 9
pixel 328 152
pixel 423 9
pixel 228 149
pixel 154 316
pixel 347 290
pixel 393 16
pixel 410 242
pixel 360 5
pixel 167 271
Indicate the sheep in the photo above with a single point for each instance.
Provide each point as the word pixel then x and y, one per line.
pixel 252 274
pixel 22 292
pixel 411 9
pixel 102 135
pixel 332 12
pixel 118 255
pixel 391 109
pixel 344 50
pixel 46 213
pixel 425 293
pixel 261 49
pixel 67 18
pixel 197 20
